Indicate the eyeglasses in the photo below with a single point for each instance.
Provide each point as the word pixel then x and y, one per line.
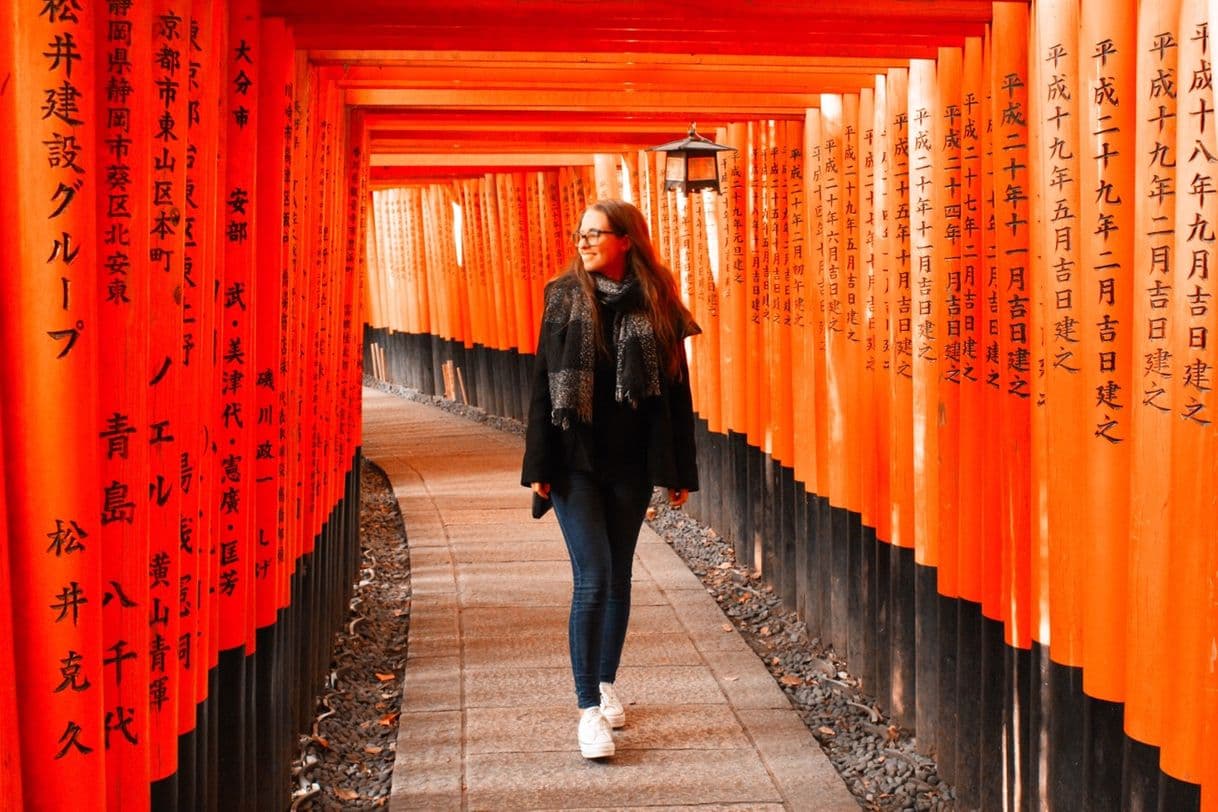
pixel 592 235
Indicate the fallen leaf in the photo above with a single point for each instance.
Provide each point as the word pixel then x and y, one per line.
pixel 385 677
pixel 651 513
pixel 372 749
pixel 727 627
pixel 765 631
pixel 390 719
pixel 826 731
pixel 347 794
pixel 731 679
pixel 791 679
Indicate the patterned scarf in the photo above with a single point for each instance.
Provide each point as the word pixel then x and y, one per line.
pixel 571 350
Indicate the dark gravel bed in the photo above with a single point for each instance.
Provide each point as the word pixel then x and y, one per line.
pixel 874 755
pixel 346 770
pixel 346 761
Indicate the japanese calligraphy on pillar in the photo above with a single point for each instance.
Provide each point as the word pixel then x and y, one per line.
pixel 796 228
pixel 759 236
pixel 971 223
pixel 867 201
pixel 64 113
pixel 852 322
pixel 166 257
pixel 1108 225
pixel 49 329
pixel 1011 296
pixel 125 432
pixel 951 135
pixel 1061 207
pixel 231 551
pixel 901 291
pixel 921 204
pixel 832 194
pixel 1196 207
pixel 1158 222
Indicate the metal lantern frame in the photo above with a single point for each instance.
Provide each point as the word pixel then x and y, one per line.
pixel 691 163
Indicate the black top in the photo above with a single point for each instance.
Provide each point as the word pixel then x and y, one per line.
pixel 653 442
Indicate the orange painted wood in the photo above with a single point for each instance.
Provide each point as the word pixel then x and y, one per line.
pixel 235 413
pixel 1055 91
pixel 1106 289
pixel 10 757
pixel 926 239
pixel 1191 329
pixel 1013 297
pixel 708 345
pixel 834 193
pixel 868 376
pixel 972 455
pixel 736 253
pixel 778 226
pixel 124 290
pixel 1151 422
pixel 880 299
pixel 850 339
pixel 49 404
pixel 818 387
pixel 901 484
pixel 946 310
pixel 273 278
pixel 990 491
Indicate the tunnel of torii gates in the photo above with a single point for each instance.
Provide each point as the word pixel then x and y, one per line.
pixel 953 391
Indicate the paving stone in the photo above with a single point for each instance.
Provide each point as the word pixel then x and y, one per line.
pixel 648 727
pixel 551 651
pixel 656 685
pixel 488 657
pixel 504 781
pixel 525 621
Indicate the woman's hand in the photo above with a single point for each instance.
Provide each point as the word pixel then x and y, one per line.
pixel 677 497
pixel 542 489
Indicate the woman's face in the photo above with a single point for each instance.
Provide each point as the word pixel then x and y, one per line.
pixel 608 254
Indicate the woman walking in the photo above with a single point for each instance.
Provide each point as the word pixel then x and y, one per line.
pixel 610 417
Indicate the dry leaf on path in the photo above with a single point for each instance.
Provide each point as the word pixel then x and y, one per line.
pixel 385 677
pixel 347 794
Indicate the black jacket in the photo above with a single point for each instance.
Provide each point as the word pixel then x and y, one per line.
pixel 667 423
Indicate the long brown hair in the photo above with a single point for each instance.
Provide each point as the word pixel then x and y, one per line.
pixel 667 313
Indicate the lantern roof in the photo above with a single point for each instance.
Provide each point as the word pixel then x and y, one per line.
pixel 692 143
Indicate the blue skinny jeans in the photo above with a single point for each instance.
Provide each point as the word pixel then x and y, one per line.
pixel 600 522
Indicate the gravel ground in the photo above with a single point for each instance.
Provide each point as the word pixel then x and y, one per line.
pixel 346 761
pixel 349 757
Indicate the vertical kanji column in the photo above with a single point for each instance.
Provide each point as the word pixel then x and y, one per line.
pixel 197 647
pixel 51 170
pixel 1066 394
pixel 1012 296
pixel 166 257
pixel 1107 83
pixel 1150 538
pixel 124 228
pixel 1192 321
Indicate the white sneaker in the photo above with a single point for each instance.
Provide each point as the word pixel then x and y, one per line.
pixel 611 706
pixel 595 738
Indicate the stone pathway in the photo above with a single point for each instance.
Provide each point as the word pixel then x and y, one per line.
pixel 488 715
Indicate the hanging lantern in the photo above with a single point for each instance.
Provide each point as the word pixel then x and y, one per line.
pixel 691 164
